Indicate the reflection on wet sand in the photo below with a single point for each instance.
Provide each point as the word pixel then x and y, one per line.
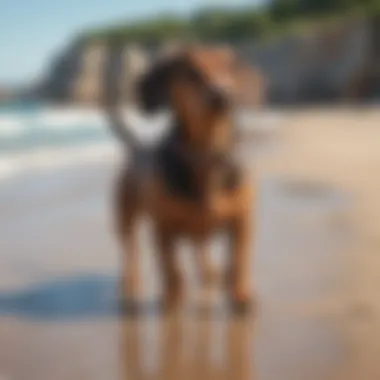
pixel 219 346
pixel 199 347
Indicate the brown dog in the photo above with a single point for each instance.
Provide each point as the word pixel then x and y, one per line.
pixel 189 185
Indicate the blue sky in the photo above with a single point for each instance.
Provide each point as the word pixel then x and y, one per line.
pixel 33 31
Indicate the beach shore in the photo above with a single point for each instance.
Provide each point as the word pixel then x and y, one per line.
pixel 316 271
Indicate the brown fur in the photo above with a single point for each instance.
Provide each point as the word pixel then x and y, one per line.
pixel 188 83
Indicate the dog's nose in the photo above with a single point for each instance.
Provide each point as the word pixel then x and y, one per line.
pixel 218 99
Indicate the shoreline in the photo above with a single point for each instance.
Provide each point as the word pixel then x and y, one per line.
pixel 315 271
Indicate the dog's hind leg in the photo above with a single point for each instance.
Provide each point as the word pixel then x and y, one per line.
pixel 240 264
pixel 207 270
pixel 172 280
pixel 127 217
pixel 130 261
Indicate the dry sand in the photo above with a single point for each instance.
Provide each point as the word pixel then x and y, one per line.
pixel 316 272
pixel 342 148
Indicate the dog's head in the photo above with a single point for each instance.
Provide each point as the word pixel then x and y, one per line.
pixel 202 86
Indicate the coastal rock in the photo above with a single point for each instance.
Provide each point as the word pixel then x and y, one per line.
pixel 78 75
pixel 331 62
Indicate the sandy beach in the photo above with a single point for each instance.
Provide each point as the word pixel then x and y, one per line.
pixel 316 271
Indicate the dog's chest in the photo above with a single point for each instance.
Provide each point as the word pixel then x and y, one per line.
pixel 181 177
pixel 178 203
pixel 186 217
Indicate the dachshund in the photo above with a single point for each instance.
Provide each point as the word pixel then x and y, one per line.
pixel 190 185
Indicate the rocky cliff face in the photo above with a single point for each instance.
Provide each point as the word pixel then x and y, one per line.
pixel 78 76
pixel 331 62
pixel 334 62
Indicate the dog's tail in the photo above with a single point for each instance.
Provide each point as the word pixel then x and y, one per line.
pixel 111 100
pixel 120 127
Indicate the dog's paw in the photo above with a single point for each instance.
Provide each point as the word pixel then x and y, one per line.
pixel 129 307
pixel 242 305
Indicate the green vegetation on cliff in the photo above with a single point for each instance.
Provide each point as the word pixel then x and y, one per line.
pixel 232 25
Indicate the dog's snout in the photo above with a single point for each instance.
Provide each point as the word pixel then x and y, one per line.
pixel 218 99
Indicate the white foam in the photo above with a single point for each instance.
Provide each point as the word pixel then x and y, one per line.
pixel 11 126
pixel 55 158
pixel 56 118
pixel 65 119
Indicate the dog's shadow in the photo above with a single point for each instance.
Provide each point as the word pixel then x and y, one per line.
pixel 83 296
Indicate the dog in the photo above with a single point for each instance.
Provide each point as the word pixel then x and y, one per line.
pixel 190 185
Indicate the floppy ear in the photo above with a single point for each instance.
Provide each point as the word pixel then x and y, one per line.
pixel 253 86
pixel 153 87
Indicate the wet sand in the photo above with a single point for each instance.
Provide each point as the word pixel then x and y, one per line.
pixel 316 272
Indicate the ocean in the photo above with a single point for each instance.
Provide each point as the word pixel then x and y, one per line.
pixel 37 136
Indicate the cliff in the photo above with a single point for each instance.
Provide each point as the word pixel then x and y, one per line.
pixel 332 61
pixel 77 76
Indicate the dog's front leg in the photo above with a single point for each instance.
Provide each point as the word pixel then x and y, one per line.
pixel 206 268
pixel 127 213
pixel 240 263
pixel 172 281
pixel 131 264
